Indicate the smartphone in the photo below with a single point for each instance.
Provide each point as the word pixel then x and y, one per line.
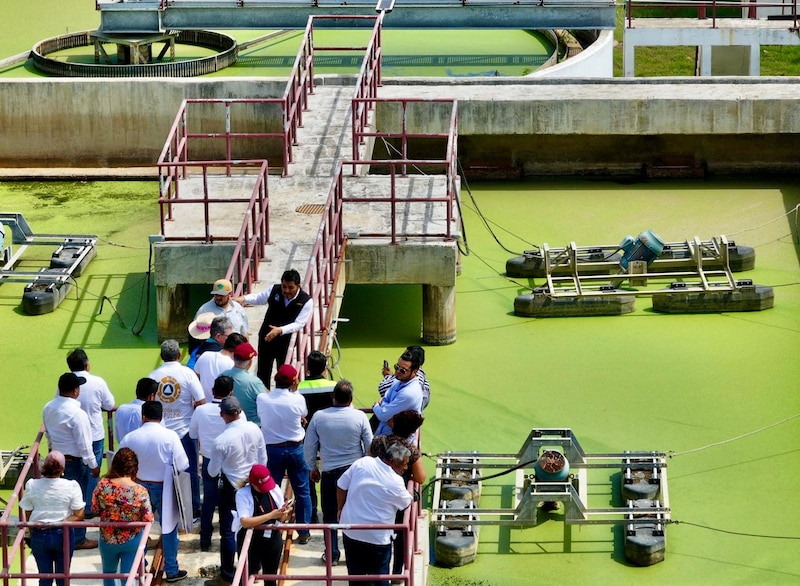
pixel 386 364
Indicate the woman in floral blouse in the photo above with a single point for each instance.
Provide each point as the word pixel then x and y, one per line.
pixel 118 498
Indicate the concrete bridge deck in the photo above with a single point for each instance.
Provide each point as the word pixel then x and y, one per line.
pixel 295 210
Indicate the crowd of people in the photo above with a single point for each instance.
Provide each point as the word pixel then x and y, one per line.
pixel 237 435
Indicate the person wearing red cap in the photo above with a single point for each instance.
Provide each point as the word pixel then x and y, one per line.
pixel 246 387
pixel 260 502
pixel 282 413
pixel 288 310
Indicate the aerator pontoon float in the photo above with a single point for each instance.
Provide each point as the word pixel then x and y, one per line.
pixel 48 286
pixel 552 470
pixel 583 282
pixel 606 259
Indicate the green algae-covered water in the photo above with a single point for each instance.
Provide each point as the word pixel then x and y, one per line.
pixel 643 381
pixel 445 53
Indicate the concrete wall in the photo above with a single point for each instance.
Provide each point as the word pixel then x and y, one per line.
pixel 430 263
pixel 596 61
pixel 527 123
pixel 105 122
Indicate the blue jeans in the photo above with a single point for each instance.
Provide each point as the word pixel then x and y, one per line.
pixel 48 551
pixel 190 446
pixel 117 558
pixel 366 558
pixel 210 501
pixel 291 460
pixel 169 541
pixel 98 447
pixel 78 471
pixel 330 506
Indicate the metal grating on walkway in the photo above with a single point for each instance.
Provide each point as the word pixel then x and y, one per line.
pixel 310 208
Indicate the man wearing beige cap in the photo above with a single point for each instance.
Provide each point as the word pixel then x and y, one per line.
pixel 221 303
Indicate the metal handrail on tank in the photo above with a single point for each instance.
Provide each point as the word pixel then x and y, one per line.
pixel 451 134
pixel 714 6
pixel 258 200
pixel 369 79
pixel 14 548
pixel 395 170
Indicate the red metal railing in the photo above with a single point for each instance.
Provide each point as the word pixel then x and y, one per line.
pixel 14 553
pixel 176 147
pixel 787 9
pixel 369 79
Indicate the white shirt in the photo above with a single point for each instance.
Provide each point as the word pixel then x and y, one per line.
pixel 236 450
pixel 245 506
pixel 208 367
pixel 280 411
pixel 262 297
pixel 127 418
pixel 68 429
pixel 178 390
pixel 94 398
pixel 207 424
pixel 375 492
pixel 51 499
pixel 234 312
pixel 156 447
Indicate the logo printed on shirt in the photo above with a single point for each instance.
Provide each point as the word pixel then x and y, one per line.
pixel 169 390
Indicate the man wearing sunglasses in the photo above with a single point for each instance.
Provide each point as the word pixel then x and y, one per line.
pixel 404 395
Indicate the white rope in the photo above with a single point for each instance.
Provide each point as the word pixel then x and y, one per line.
pixel 733 439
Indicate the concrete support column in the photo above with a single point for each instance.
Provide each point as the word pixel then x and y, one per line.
pixel 628 58
pixel 438 314
pixel 705 60
pixel 755 60
pixel 174 314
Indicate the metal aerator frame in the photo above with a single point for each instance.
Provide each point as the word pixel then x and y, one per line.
pixel 470 467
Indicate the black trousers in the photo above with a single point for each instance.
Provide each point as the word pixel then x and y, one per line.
pixel 264 555
pixel 268 353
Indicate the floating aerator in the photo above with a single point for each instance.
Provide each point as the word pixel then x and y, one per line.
pixel 647 247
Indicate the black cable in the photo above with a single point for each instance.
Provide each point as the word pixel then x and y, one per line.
pixel 138 330
pixel 481 478
pixel 499 274
pixel 111 303
pixel 739 533
pixel 487 221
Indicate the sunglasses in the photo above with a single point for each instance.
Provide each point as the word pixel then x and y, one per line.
pixel 400 369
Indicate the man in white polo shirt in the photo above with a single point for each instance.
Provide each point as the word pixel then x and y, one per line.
pixel 221 303
pixel 235 452
pixel 206 427
pixel 129 415
pixel 69 432
pixel 159 451
pixel 179 391
pixel 95 398
pixel 282 413
pixel 370 492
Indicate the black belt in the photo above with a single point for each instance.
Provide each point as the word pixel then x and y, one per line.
pixel 69 458
pixel 285 444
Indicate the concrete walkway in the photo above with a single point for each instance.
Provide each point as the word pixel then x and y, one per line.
pixel 296 202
